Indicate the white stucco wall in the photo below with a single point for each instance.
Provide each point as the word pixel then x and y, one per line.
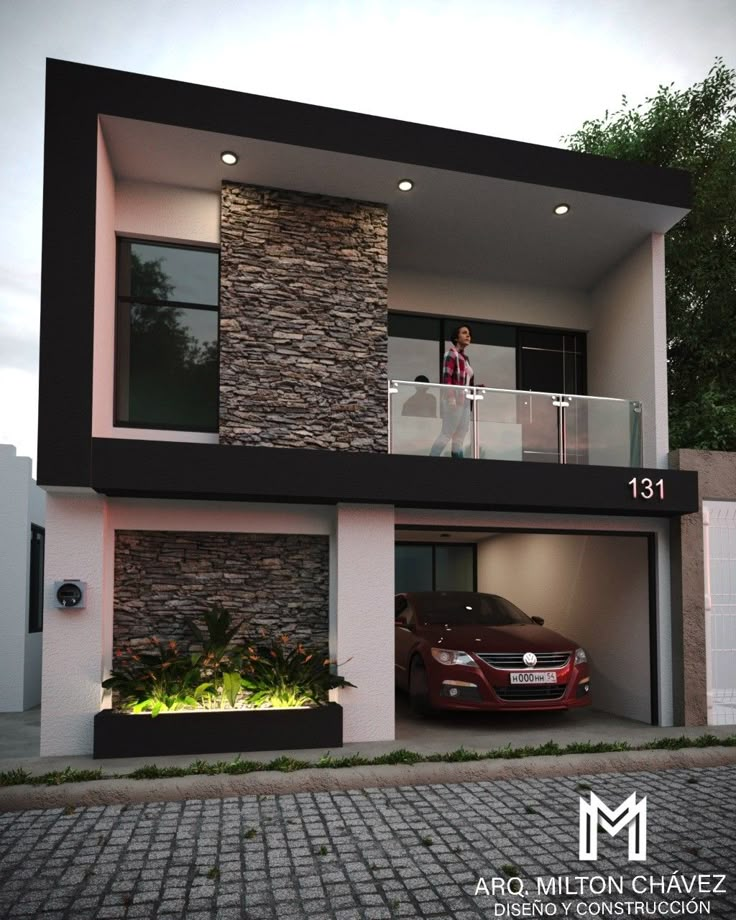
pixel 81 539
pixel 364 555
pixel 628 340
pixel 142 210
pixel 166 212
pixel 76 546
pixel 592 589
pixel 21 504
pixel 103 359
pixel 470 298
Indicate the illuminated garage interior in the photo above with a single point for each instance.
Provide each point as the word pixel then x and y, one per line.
pixel 593 588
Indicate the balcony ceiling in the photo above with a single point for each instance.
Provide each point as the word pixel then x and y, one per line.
pixel 451 223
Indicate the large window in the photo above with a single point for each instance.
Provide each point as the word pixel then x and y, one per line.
pixel 503 356
pixel 166 337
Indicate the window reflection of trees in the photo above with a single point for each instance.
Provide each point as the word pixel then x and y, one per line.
pixel 173 369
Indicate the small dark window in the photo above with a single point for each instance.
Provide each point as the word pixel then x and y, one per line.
pixel 435 567
pixel 167 336
pixel 35 593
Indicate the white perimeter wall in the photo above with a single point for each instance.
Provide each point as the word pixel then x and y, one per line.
pixel 469 298
pixel 592 589
pixel 78 651
pixel 21 504
pixel 628 339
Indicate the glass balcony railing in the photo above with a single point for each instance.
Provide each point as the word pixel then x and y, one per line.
pixel 482 423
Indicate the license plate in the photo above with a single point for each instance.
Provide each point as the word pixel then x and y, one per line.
pixel 533 677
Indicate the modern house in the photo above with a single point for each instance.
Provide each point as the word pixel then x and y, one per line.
pixel 237 297
pixel 22 534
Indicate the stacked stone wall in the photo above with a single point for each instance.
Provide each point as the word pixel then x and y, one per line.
pixel 275 582
pixel 303 320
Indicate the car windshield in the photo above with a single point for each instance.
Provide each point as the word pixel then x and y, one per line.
pixel 465 608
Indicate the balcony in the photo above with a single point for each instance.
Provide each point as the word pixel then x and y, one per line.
pixel 494 424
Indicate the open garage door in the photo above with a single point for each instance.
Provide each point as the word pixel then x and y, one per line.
pixel 595 589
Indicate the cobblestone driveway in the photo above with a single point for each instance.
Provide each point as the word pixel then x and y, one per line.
pixel 375 853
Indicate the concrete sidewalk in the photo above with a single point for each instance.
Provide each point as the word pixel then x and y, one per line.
pixel 474 732
pixel 19 738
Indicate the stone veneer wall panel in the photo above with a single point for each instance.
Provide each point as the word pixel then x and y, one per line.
pixel 303 320
pixel 279 582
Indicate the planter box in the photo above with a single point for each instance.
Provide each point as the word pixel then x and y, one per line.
pixel 118 734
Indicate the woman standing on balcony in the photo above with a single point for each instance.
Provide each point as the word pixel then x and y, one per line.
pixel 456 371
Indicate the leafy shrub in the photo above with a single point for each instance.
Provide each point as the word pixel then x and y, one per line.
pixel 220 674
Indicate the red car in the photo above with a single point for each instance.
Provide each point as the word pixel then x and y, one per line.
pixel 465 650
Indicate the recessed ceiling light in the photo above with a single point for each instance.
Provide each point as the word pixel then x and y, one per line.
pixel 406 185
pixel 562 209
pixel 229 158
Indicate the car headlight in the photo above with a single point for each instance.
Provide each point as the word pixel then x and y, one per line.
pixel 580 656
pixel 448 656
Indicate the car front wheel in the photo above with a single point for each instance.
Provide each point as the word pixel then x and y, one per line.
pixel 419 688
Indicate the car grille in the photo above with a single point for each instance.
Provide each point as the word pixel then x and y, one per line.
pixel 530 694
pixel 514 661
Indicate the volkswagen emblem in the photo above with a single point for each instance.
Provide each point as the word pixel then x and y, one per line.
pixel 530 659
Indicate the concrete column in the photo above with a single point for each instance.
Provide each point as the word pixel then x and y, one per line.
pixel 364 646
pixel 78 546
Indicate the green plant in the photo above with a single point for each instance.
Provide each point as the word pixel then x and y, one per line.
pixel 220 674
pixel 162 680
pixel 218 654
pixel 510 870
pixel 283 675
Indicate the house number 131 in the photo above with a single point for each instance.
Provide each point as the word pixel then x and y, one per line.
pixel 645 488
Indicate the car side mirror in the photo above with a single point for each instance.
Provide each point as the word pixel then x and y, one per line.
pixel 538 620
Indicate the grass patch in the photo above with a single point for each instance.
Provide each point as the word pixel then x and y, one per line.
pixel 284 764
pixel 16 777
pixel 510 870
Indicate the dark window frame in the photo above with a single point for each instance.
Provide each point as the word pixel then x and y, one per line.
pixel 35 578
pixel 120 242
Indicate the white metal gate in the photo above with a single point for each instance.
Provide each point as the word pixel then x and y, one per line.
pixel 719 548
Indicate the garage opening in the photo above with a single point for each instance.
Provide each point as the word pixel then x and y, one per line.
pixel 595 589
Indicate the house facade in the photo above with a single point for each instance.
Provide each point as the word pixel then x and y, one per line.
pixel 229 351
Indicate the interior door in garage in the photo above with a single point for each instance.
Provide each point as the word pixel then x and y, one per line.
pixel 719 545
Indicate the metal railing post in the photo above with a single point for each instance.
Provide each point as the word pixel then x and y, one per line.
pixel 476 427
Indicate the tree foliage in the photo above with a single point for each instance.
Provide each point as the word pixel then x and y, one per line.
pixel 693 129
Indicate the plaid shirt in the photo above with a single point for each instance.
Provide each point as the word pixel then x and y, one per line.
pixel 456 368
